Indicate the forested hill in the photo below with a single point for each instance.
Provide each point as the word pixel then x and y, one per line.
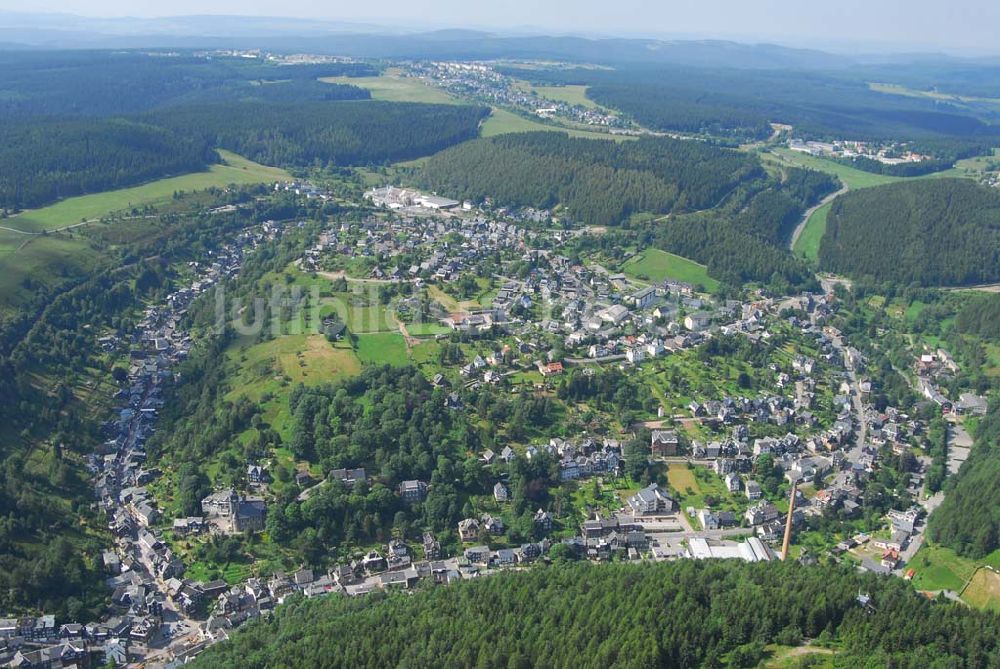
pixel 935 232
pixel 42 161
pixel 114 83
pixel 681 614
pixel 596 181
pixel 969 518
pixel 327 133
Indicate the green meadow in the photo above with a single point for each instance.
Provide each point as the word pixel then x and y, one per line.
pixel 233 169
pixel 657 265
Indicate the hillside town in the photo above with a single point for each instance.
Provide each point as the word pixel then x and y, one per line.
pixel 811 420
pixel 483 81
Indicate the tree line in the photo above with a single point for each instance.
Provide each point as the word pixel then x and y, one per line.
pixel 45 160
pixel 746 239
pixel 713 614
pixel 329 133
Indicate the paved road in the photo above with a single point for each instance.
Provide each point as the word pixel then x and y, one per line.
pixel 805 217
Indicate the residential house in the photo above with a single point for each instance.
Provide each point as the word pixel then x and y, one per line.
pixel 651 499
pixel 664 443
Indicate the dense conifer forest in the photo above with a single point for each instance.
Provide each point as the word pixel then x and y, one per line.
pixel 43 161
pixel 742 104
pixel 682 614
pixel 106 83
pixel 596 182
pixel 937 232
pixel 329 133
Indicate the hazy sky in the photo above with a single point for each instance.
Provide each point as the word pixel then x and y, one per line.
pixel 913 24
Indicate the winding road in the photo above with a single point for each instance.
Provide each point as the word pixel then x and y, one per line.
pixel 812 210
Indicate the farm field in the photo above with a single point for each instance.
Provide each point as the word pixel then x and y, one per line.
pixel 391 87
pixel 234 170
pixel 503 122
pixel 657 265
pixel 807 245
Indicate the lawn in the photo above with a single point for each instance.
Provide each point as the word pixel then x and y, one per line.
pixel 427 329
pixel 940 568
pixel 392 87
pixel 657 265
pixel 702 483
pixel 807 245
pixel 383 348
pixel 233 170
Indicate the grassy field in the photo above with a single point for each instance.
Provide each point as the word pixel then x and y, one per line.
pixel 799 657
pixel 570 94
pixel 681 477
pixel 308 359
pixel 983 590
pixel 657 265
pixel 427 329
pixel 26 262
pixel 503 122
pixel 854 178
pixel 269 368
pixel 363 317
pixel 382 348
pixel 807 245
pixel 234 170
pixel 895 89
pixel 939 568
pixel 392 87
